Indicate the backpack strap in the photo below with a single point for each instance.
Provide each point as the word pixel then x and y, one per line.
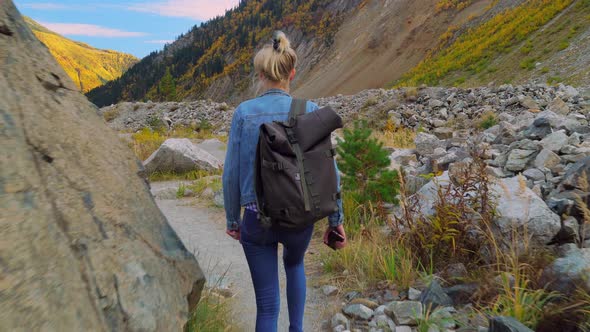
pixel 298 107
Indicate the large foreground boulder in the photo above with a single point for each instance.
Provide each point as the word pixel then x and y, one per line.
pixel 83 247
pixel 180 155
pixel 517 207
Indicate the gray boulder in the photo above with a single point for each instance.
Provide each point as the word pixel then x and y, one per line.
pixel 507 324
pixel 571 180
pixel 569 272
pixel 215 147
pixel 404 312
pixel 434 296
pixel 558 106
pixel 427 143
pixel 84 247
pixel 517 206
pixel 340 319
pixel 180 155
pixel 555 141
pixel 518 159
pixel 358 311
pixel 546 159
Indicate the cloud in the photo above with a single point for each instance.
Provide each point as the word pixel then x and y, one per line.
pixel 161 41
pixel 78 29
pixel 196 9
pixel 45 6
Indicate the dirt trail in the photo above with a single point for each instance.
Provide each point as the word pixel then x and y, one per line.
pixel 202 230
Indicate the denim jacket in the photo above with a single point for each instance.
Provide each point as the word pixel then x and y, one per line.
pixel 238 172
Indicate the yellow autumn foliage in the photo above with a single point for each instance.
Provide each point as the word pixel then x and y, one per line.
pixel 473 50
pixel 87 66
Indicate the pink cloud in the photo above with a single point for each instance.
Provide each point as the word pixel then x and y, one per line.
pixel 78 29
pixel 159 41
pixel 45 6
pixel 195 9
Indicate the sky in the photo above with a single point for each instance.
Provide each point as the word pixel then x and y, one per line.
pixel 137 27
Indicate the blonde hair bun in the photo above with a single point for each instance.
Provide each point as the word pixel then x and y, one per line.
pixel 280 42
pixel 276 60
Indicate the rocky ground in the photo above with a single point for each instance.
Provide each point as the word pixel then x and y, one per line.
pixel 533 139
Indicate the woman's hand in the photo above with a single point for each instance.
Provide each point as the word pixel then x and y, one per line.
pixel 235 234
pixel 340 230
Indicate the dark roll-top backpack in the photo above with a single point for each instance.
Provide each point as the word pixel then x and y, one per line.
pixel 295 174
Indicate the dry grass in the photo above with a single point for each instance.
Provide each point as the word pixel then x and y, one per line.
pixel 396 137
pixel 110 115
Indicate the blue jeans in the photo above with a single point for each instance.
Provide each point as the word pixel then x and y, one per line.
pixel 260 246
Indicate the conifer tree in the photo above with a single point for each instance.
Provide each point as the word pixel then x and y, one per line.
pixel 364 163
pixel 168 86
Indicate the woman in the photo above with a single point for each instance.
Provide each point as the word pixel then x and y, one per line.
pixel 274 65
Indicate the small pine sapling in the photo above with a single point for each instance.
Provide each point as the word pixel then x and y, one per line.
pixel 364 163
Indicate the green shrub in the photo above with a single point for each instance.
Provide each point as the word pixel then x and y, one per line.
pixel 181 191
pixel 364 163
pixel 156 124
pixel 488 120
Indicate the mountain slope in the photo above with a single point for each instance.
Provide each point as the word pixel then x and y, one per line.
pixel 345 46
pixel 539 40
pixel 87 66
pixel 214 60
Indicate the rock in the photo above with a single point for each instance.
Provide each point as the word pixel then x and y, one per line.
pixel 435 103
pixel 567 273
pixel 461 293
pixel 455 271
pixel 218 199
pixel 569 232
pixel 403 329
pixel 434 296
pixel 518 159
pixel 414 294
pixel 555 141
pixel 569 92
pixel 84 246
pixel 339 328
pixel 329 290
pixel 518 206
pixel 382 321
pixel 389 296
pixel 340 319
pixel 380 310
pixel 534 174
pixel 351 296
pixel 402 158
pixel 215 147
pixel 571 180
pixel 546 159
pixel 529 103
pixel 426 143
pixel 558 106
pixel 507 324
pixel 366 302
pixel 443 133
pixel 208 193
pixel 358 311
pixel 179 155
pixel 540 128
pixel 404 313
